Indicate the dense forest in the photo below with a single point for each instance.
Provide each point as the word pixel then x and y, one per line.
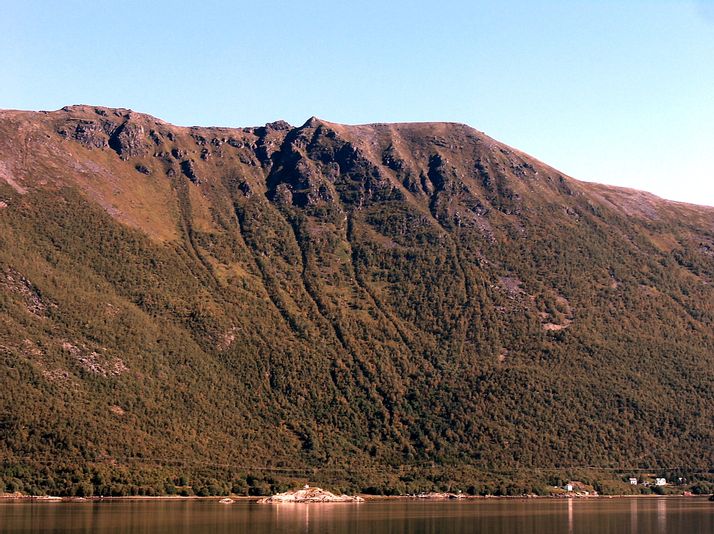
pixel 383 308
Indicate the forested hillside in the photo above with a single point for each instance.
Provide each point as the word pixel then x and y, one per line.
pixel 358 300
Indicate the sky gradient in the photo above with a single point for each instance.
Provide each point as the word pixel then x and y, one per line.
pixel 612 92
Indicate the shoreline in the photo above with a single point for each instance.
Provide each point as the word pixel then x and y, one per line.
pixel 368 498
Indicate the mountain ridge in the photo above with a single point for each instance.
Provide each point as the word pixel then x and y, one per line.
pixel 88 111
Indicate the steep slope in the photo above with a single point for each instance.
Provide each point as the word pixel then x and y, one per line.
pixel 340 297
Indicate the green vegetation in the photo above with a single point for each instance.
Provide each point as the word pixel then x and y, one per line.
pixel 445 315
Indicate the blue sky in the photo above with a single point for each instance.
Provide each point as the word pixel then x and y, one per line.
pixel 613 92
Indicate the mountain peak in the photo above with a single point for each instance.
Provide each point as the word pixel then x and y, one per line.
pixel 313 122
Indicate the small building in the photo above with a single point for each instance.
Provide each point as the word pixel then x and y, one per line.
pixel 660 482
pixel 633 481
pixel 568 487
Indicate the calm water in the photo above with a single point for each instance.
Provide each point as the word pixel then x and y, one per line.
pixel 651 515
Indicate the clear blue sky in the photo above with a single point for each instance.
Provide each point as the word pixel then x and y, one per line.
pixel 615 92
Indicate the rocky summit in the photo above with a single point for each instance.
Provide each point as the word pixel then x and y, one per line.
pixel 348 300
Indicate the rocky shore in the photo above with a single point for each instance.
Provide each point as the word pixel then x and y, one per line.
pixel 438 496
pixel 308 495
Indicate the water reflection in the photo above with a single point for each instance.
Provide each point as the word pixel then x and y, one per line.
pixel 662 515
pixel 671 515
pixel 297 513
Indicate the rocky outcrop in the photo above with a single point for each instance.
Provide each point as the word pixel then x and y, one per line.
pixel 189 170
pixel 129 140
pixel 12 280
pixel 91 134
pixel 308 495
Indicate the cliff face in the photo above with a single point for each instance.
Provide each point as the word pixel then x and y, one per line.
pixel 340 295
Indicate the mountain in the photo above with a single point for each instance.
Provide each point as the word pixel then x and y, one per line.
pixel 354 302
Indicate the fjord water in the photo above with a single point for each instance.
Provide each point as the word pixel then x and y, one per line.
pixel 567 516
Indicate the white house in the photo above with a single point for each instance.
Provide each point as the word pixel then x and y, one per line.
pixel 660 482
pixel 633 481
pixel 568 487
